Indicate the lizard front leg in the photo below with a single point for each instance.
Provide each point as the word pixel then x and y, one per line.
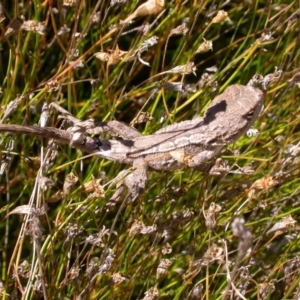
pixel 135 182
pixel 91 127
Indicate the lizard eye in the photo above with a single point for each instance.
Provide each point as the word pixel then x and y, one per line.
pixel 249 115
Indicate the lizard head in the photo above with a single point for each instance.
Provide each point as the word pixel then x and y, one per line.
pixel 234 111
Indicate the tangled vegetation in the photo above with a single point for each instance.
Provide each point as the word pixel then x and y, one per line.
pixel 188 235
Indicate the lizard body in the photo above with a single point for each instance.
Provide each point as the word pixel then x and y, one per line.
pixel 190 143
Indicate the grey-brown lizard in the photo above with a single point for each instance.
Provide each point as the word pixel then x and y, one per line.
pixel 191 143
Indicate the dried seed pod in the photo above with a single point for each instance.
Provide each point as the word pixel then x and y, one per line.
pixel 264 183
pixel 103 56
pixel 196 291
pixel 11 108
pixel 92 266
pixel 96 17
pixel 174 86
pixel 149 229
pixel 96 239
pixel 76 65
pixel 142 117
pixel 166 249
pixel 93 186
pixel 251 132
pixel 266 289
pixel 211 215
pixel 219 168
pixel 146 44
pixel 205 46
pixel 52 154
pixel 248 170
pixel 151 294
pixel 45 183
pixel 74 53
pixel 63 30
pixel 266 36
pixel 98 189
pixel 52 85
pixel 142 48
pixel 22 210
pixel 290 270
pixel 221 16
pixel 136 228
pixel 181 29
pixel 24 269
pixel 107 261
pixel 70 2
pixel 271 78
pixel 163 267
pixel 117 278
pixel 212 254
pixel 184 69
pixel 34 26
pixel 151 7
pixel 115 56
pixel 27 210
pixel 205 78
pixel 69 183
pixel 283 225
pixel 95 83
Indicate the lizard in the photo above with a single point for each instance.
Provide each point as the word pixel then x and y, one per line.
pixel 192 143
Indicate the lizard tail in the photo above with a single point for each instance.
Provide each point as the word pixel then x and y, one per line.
pixel 109 149
pixel 59 135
